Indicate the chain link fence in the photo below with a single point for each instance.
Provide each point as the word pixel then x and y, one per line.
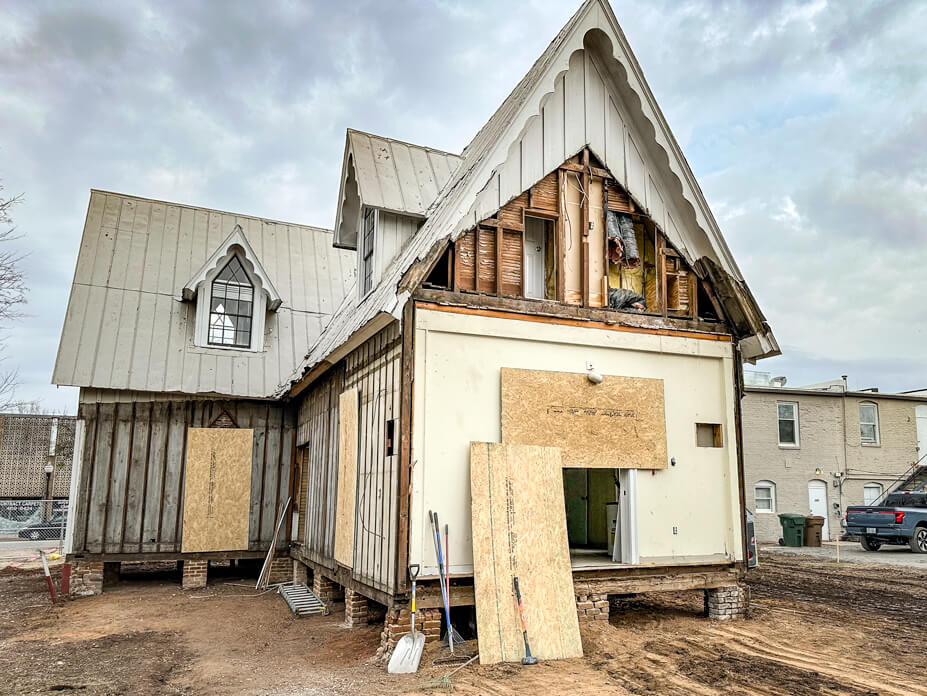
pixel 27 525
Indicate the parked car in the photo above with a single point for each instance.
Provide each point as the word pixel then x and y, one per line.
pixel 900 519
pixel 753 560
pixel 51 529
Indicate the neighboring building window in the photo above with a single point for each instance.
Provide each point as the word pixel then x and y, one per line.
pixel 764 492
pixel 869 423
pixel 231 307
pixel 370 218
pixel 788 423
pixel 871 493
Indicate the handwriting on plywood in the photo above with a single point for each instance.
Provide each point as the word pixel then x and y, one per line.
pixel 620 423
pixel 217 489
pixel 519 528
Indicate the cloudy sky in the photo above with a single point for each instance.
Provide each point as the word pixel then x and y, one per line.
pixel 804 122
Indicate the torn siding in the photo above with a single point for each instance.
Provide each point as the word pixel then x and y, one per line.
pixel 127 328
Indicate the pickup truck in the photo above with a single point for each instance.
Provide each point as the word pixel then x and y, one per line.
pixel 899 519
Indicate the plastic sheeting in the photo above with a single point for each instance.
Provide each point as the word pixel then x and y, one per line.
pixel 621 230
pixel 622 298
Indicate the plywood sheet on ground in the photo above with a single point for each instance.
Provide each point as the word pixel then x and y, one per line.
pixel 620 423
pixel 519 528
pixel 217 489
pixel 347 478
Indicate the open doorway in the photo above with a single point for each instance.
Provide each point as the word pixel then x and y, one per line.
pixel 601 516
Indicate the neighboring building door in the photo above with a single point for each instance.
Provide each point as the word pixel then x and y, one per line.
pixel 920 413
pixel 817 502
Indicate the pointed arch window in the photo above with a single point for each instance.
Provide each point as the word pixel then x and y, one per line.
pixel 231 310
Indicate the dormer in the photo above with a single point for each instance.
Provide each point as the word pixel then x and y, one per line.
pixel 233 295
pixel 386 189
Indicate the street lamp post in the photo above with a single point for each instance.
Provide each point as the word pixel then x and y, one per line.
pixel 49 468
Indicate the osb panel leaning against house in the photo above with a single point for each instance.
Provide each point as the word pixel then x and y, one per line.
pixel 519 530
pixel 217 489
pixel 620 423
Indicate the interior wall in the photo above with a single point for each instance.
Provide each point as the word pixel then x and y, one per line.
pixel 689 509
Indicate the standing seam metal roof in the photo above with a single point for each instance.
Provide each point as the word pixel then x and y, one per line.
pixel 127 327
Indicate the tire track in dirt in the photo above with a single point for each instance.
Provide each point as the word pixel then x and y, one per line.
pixel 833 667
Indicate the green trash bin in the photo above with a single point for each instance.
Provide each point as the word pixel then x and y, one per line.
pixel 793 529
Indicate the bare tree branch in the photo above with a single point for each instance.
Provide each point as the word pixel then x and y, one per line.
pixel 12 281
pixel 12 297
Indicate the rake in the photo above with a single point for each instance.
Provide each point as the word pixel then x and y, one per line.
pixel 444 683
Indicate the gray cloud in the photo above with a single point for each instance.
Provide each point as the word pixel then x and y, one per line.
pixel 801 119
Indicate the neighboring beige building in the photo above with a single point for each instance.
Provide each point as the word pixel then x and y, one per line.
pixel 819 448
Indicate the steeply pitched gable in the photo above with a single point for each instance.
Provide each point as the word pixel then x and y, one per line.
pixel 585 89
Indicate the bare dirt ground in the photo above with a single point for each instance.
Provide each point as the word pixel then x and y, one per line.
pixel 816 628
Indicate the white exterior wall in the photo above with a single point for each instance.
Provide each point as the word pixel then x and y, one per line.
pixel 457 399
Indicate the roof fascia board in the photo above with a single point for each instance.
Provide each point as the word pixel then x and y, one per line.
pixel 870 396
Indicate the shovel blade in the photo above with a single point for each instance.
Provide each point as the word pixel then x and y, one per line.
pixel 407 654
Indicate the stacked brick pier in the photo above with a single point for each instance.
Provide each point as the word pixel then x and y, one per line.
pixel 194 574
pixel 725 603
pixel 86 579
pixel 592 607
pixel 281 570
pixel 355 609
pixel 397 624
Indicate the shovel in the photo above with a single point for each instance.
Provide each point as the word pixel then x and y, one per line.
pixel 408 651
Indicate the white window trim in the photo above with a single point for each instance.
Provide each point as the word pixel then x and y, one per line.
pixel 374 279
pixel 265 299
pixel 204 301
pixel 797 443
pixel 772 497
pixel 873 484
pixel 878 435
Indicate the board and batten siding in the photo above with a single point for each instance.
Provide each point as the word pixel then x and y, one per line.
pixel 374 370
pixel 130 493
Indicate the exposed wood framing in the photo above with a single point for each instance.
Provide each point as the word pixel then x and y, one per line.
pixel 502 261
pixel 551 312
pixel 405 444
pixel 587 190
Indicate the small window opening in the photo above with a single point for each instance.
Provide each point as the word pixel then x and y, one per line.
pixel 788 423
pixel 869 424
pixel 231 307
pixel 391 437
pixel 440 276
pixel 708 435
pixel 540 273
pixel 706 308
pixel 370 217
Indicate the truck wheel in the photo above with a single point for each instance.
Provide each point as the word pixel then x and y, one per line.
pixel 918 542
pixel 870 543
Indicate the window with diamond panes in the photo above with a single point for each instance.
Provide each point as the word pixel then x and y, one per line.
pixel 231 307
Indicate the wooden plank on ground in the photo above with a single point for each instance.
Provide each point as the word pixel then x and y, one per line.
pixel 519 528
pixel 620 423
pixel 217 489
pixel 347 478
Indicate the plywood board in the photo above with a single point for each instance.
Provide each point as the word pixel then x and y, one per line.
pixel 519 528
pixel 217 489
pixel 347 478
pixel 620 423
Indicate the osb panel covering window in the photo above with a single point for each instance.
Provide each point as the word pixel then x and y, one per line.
pixel 620 423
pixel 217 489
